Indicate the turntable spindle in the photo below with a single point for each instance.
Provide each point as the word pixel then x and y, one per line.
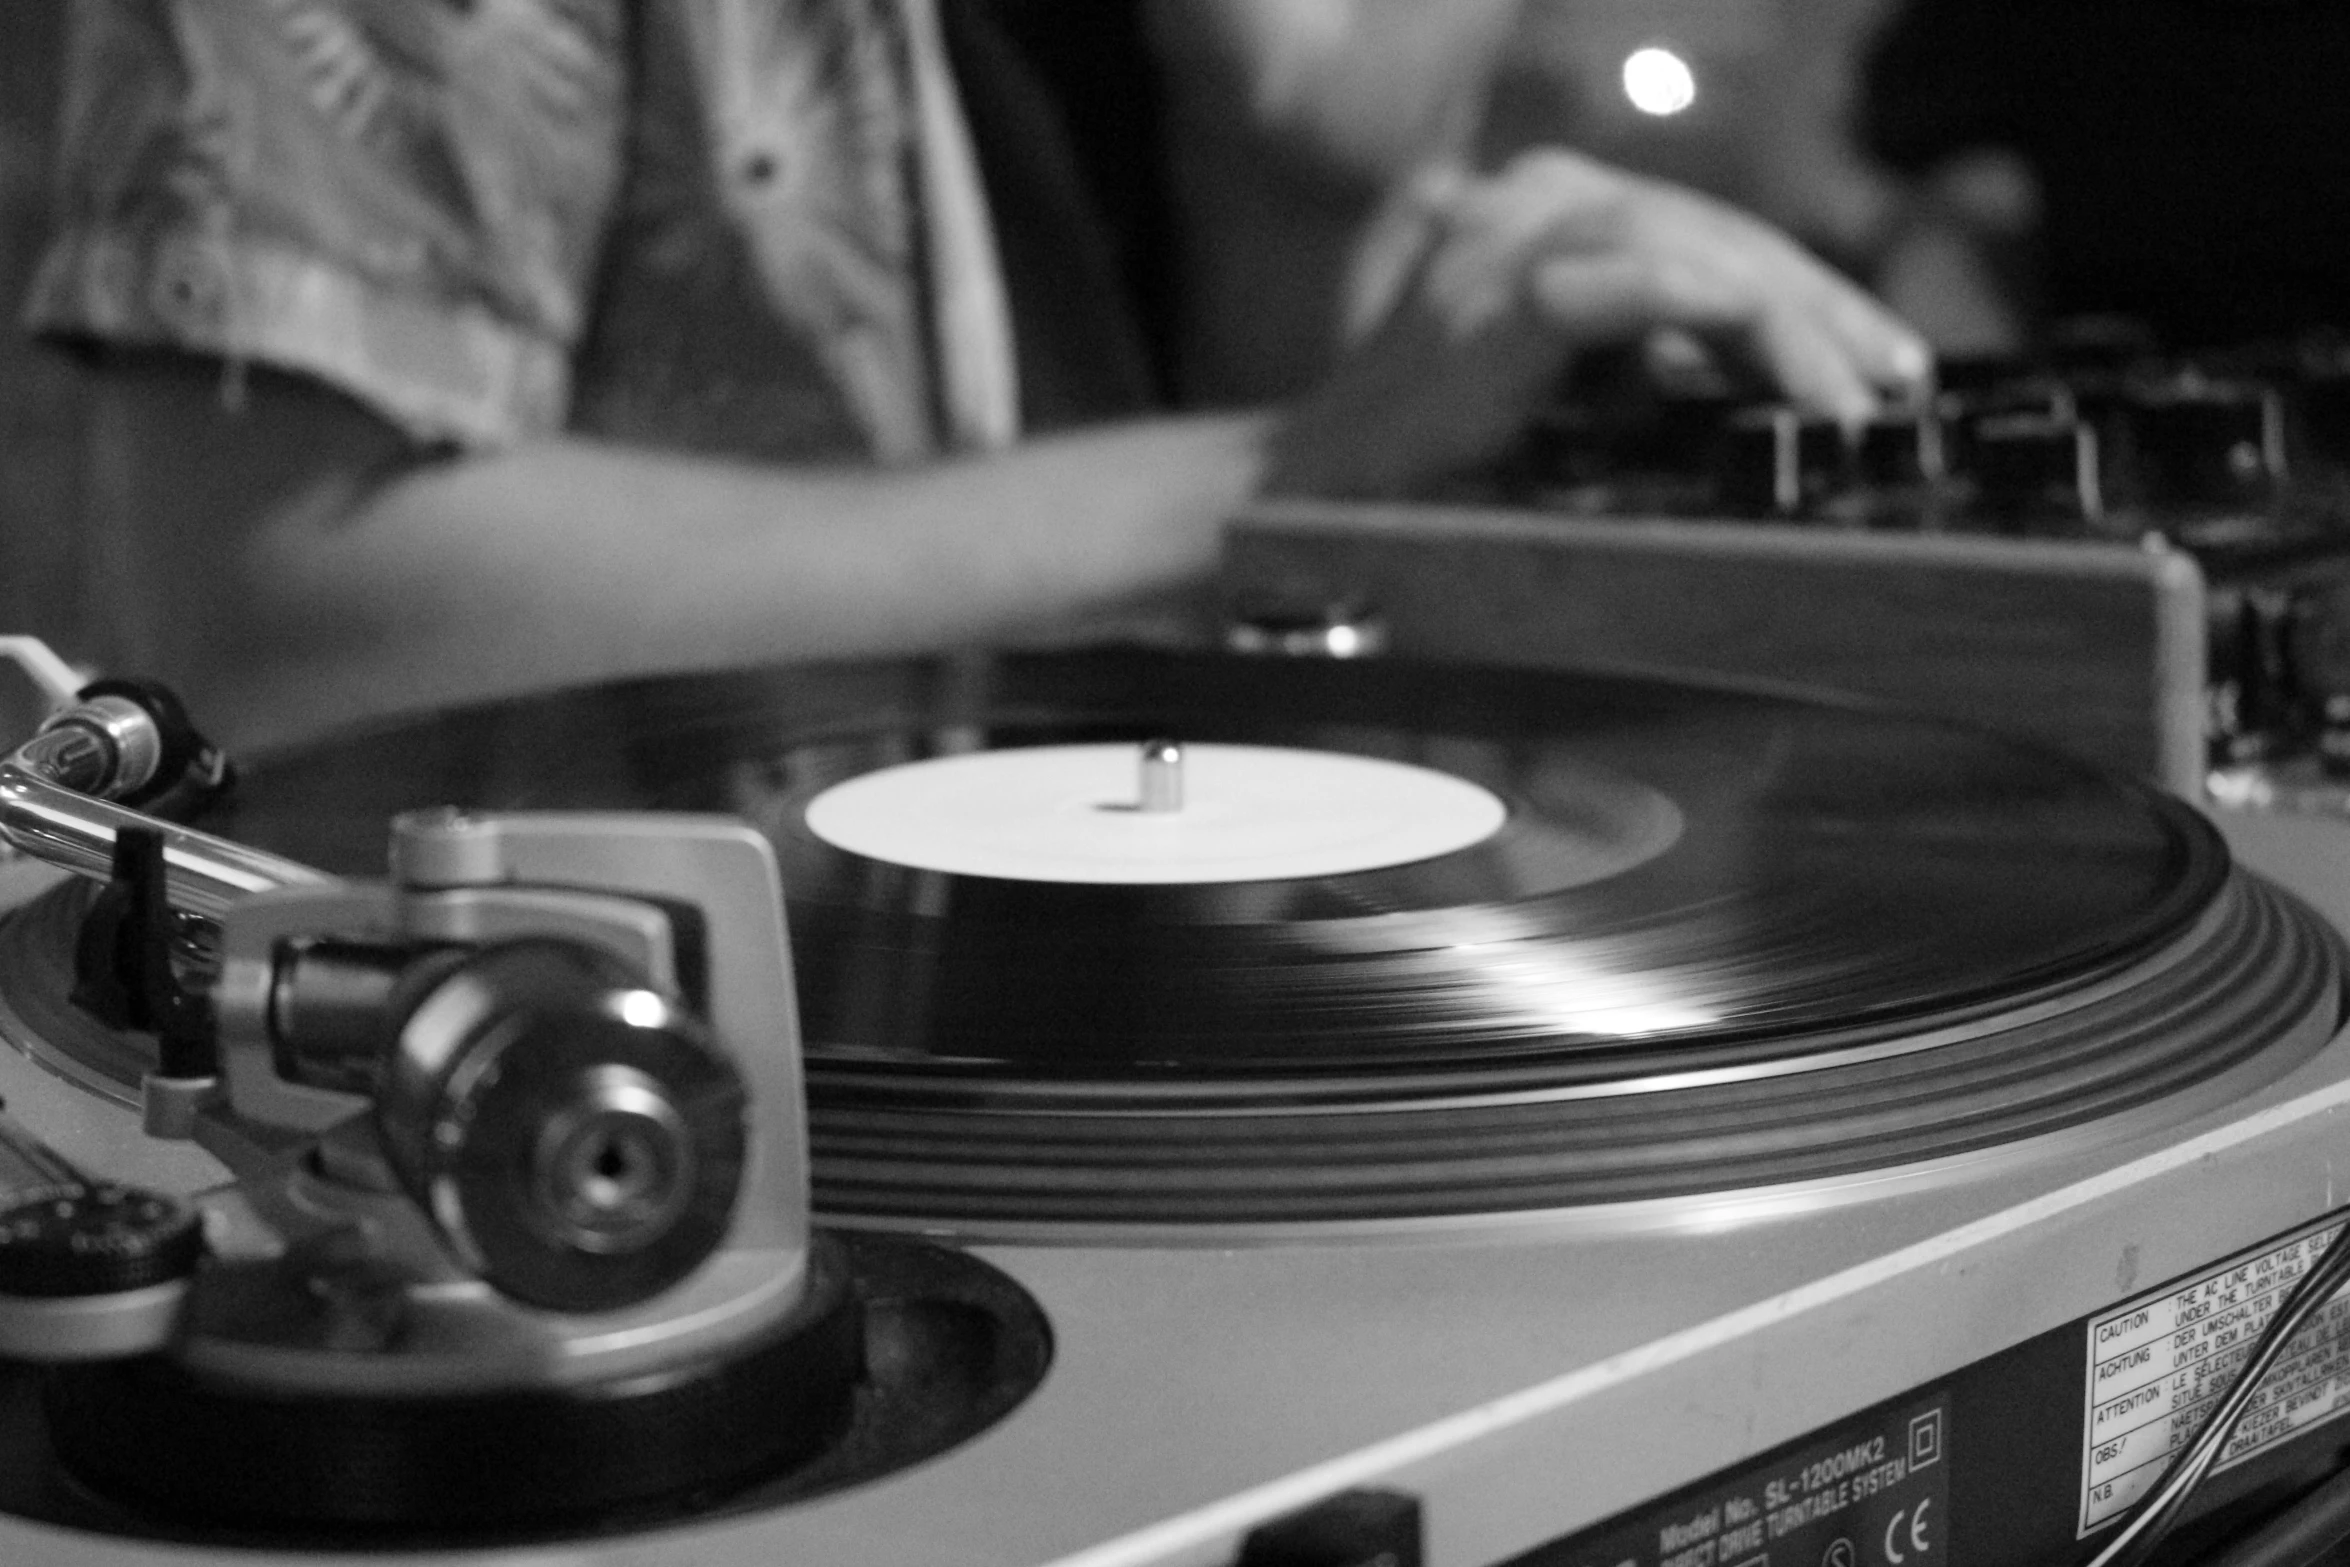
pixel 1162 776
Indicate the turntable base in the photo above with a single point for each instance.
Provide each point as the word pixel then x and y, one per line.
pixel 1925 930
pixel 1524 1380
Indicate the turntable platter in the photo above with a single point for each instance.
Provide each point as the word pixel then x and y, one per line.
pixel 1717 939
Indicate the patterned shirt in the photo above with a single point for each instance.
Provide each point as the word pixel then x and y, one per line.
pixel 743 225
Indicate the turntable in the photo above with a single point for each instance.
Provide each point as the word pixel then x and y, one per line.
pixel 1257 1111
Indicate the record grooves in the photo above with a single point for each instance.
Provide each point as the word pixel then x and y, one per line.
pixel 2260 977
pixel 1720 940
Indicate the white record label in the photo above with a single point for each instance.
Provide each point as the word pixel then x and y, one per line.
pixel 1072 813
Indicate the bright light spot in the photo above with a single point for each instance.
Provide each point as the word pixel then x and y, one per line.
pixel 1714 1215
pixel 642 1009
pixel 1551 987
pixel 1658 81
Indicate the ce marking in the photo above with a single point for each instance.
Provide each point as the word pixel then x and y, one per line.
pixel 1915 1533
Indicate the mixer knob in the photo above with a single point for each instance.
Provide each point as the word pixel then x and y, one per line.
pixel 1774 462
pixel 2037 466
pixel 1979 398
pixel 2040 395
pixel 1672 436
pixel 1963 375
pixel 1899 451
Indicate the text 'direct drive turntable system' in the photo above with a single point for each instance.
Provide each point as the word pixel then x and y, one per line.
pixel 1548 1101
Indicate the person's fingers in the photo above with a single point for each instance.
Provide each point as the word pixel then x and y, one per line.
pixel 1603 256
pixel 1503 278
pixel 1786 341
pixel 1813 365
pixel 1800 323
pixel 1892 355
pixel 1492 231
pixel 1621 297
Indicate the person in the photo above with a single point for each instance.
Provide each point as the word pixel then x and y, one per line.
pixel 456 351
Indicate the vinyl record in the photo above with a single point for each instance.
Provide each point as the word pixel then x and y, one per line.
pixel 1682 876
pixel 1717 938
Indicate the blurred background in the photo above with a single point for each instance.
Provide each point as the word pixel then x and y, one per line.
pixel 40 393
pixel 1752 100
pixel 1749 99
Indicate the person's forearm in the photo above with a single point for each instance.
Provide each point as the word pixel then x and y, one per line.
pixel 287 557
pixel 566 561
pixel 672 561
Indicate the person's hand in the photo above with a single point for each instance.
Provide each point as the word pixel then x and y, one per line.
pixel 1503 279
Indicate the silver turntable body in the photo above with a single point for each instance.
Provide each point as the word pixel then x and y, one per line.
pixel 1522 1378
pixel 1894 1357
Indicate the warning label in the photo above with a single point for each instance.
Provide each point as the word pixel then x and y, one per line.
pixel 2158 1366
pixel 1871 1494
